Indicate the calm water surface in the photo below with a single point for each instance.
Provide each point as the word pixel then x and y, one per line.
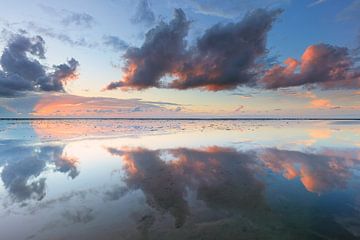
pixel 107 179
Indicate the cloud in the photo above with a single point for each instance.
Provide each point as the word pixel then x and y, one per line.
pixel 230 8
pixel 320 103
pixel 69 18
pixel 231 55
pixel 317 2
pixel 322 65
pixel 78 19
pixel 225 57
pixel 162 50
pixel 144 14
pixel 162 103
pixel 22 71
pixel 239 108
pixel 77 106
pixel 351 12
pixel 115 43
pixel 52 33
pixel 243 95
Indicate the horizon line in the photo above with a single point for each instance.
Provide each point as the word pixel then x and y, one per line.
pixel 185 118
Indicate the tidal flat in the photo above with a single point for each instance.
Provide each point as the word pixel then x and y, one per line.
pixel 179 179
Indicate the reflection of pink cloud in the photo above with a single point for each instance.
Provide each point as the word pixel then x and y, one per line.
pixel 320 133
pixel 221 177
pixel 225 179
pixel 317 172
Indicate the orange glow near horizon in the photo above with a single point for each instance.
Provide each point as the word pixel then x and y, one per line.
pixel 320 103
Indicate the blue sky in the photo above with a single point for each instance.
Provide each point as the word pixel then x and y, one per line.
pixel 99 33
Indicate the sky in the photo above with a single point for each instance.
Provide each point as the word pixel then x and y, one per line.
pixel 184 58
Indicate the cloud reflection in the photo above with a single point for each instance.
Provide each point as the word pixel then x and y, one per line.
pixel 23 167
pixel 223 178
pixel 318 172
pixel 226 178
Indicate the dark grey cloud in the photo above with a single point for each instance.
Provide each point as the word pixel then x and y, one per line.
pixel 225 57
pixel 244 95
pixel 162 50
pixel 232 55
pixel 22 70
pixel 115 43
pixel 61 74
pixel 322 65
pixel 144 14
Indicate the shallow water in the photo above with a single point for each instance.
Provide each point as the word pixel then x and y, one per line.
pixel 142 179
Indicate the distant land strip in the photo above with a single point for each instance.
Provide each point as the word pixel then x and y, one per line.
pixel 187 119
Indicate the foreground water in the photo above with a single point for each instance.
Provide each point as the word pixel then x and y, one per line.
pixel 133 179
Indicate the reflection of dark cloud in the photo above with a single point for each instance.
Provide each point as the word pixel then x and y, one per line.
pixel 22 165
pixel 22 71
pixel 221 177
pixel 144 224
pixel 115 193
pixel 49 203
pixel 66 164
pixel 146 171
pixel 82 215
pixel 225 178
pixel 15 177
